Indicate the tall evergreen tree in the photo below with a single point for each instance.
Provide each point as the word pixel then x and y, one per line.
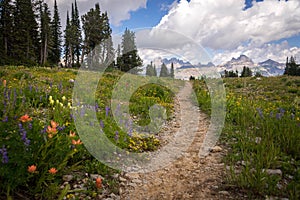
pixel 68 43
pixel 150 70
pixel 6 30
pixel 292 68
pixel 246 72
pixel 172 72
pixel 77 40
pixel 25 44
pixel 98 45
pixel 46 33
pixel 130 60
pixel 164 72
pixel 56 36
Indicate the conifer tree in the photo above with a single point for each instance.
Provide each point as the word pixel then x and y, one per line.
pixel 56 36
pixel 25 44
pixel 130 60
pixel 172 72
pixel 46 34
pixel 164 72
pixel 6 30
pixel 77 40
pixel 98 45
pixel 67 42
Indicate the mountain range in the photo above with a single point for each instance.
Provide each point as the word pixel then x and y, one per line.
pixel 183 69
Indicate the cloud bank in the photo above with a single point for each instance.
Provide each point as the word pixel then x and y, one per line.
pixel 226 27
pixel 118 11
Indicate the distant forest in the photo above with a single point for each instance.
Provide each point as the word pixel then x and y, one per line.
pixel 31 35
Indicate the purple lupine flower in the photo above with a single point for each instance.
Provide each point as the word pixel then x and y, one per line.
pixel 30 88
pixel 30 126
pixel 281 110
pixel 5 119
pixel 23 135
pixel 60 86
pixel 8 95
pixel 44 130
pixel 26 142
pixel 36 89
pixel 3 151
pixel 279 116
pixel 51 84
pixel 61 128
pixel 107 111
pixel 101 124
pixel 82 111
pixel 15 97
pixel 41 98
pixel 271 114
pixel 260 112
pixel 96 107
pixel 117 136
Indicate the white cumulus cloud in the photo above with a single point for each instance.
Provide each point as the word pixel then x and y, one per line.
pixel 220 24
pixel 118 11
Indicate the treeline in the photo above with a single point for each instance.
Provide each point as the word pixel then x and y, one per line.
pixel 30 35
pixel 246 72
pixel 164 72
pixel 292 68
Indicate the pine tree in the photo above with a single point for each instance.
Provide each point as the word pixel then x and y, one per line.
pixel 246 72
pixel 150 70
pixel 154 70
pixel 164 72
pixel 6 30
pixel 130 60
pixel 77 40
pixel 56 36
pixel 172 72
pixel 98 45
pixel 25 44
pixel 292 68
pixel 68 45
pixel 46 34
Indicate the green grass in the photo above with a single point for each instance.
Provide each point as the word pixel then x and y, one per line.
pixel 262 131
pixel 46 95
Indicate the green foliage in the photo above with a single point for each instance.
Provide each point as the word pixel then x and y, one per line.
pixel 98 46
pixel 246 72
pixel 142 143
pixel 129 61
pixel 54 56
pixel 164 72
pixel 262 131
pixel 231 74
pixel 151 70
pixel 292 68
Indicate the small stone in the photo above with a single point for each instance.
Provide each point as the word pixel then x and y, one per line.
pixel 274 172
pixel 95 176
pixel 257 140
pixel 67 178
pixel 224 193
pixel 133 175
pixel 216 149
pixel 122 179
pixel 136 181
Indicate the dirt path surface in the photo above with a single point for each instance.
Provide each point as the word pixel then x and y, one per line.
pixel 188 177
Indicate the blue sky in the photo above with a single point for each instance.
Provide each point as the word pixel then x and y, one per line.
pixel 262 30
pixel 145 17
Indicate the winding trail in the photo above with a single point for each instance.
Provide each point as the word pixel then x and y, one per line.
pixel 188 177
